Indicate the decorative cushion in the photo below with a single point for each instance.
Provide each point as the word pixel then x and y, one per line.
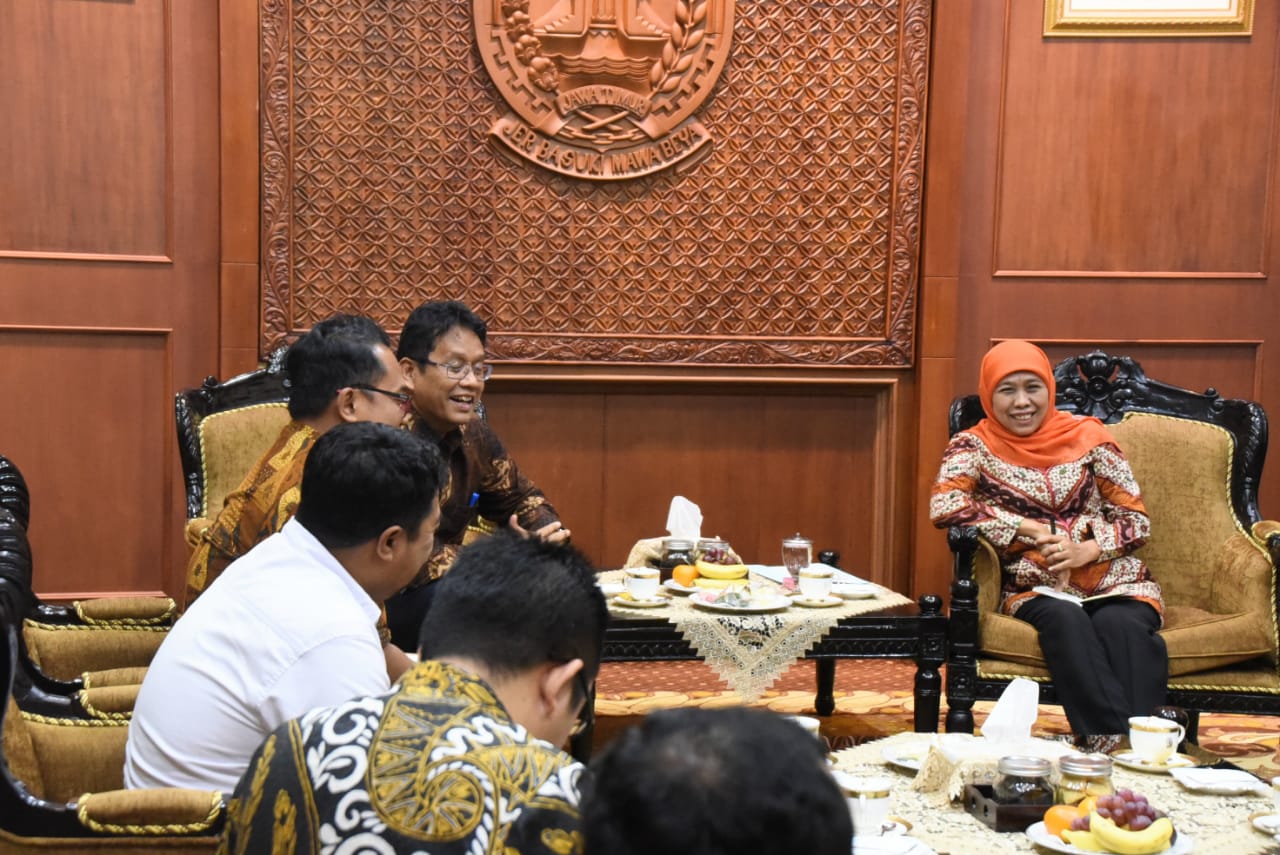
pixel 77 756
pixel 127 611
pixel 64 653
pixel 19 753
pixel 231 442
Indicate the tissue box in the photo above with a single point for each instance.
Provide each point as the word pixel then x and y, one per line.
pixel 979 801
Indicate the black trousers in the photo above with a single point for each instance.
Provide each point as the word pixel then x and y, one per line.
pixel 1106 658
pixel 405 612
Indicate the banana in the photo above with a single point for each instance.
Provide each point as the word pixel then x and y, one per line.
pixel 721 571
pixel 1083 840
pixel 1154 838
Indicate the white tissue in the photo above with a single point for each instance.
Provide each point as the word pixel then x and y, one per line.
pixel 1011 718
pixel 684 519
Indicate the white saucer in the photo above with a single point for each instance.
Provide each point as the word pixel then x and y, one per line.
pixel 1222 782
pixel 854 590
pixel 625 599
pixel 1267 823
pixel 1132 760
pixel 816 602
pixel 676 588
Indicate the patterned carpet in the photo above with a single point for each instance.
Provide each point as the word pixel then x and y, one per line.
pixel 873 699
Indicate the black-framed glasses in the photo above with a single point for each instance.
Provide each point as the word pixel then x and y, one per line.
pixel 458 370
pixel 587 715
pixel 402 398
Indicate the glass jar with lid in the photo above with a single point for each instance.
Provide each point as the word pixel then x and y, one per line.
pixel 675 551
pixel 714 550
pixel 1023 780
pixel 1083 775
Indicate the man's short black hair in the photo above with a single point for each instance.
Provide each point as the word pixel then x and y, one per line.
pixel 431 320
pixel 332 355
pixel 361 478
pixel 714 782
pixel 514 603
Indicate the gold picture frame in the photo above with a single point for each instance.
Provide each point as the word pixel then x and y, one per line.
pixel 1139 18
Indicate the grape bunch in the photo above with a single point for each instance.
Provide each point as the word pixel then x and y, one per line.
pixel 1125 808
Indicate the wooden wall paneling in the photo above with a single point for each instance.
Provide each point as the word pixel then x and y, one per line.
pixel 556 436
pixel 103 191
pixel 113 146
pixel 239 202
pixel 89 450
pixel 381 188
pixel 1153 155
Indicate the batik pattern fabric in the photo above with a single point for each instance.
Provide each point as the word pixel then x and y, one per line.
pixel 266 499
pixel 1093 498
pixel 479 466
pixel 436 766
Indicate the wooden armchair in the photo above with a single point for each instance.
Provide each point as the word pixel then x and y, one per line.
pixel 61 771
pixel 110 637
pixel 1198 459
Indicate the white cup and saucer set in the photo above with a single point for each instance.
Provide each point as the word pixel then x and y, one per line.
pixel 875 831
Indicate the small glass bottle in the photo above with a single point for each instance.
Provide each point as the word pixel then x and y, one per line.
pixel 1023 780
pixel 675 551
pixel 1083 775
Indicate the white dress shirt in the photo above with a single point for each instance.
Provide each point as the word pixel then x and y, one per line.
pixel 283 630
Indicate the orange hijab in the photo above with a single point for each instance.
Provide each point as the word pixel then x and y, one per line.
pixel 1060 438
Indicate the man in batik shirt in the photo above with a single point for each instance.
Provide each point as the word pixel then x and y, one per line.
pixel 341 371
pixel 442 351
pixel 461 757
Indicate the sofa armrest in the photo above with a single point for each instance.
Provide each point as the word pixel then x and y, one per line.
pixel 155 813
pixel 1267 532
pixel 1242 578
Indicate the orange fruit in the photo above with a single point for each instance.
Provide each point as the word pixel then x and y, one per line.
pixel 685 574
pixel 1058 818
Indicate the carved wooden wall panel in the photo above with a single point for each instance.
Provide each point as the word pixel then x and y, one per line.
pixel 793 242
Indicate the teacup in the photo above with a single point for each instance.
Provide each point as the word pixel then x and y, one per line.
pixel 814 582
pixel 811 725
pixel 642 583
pixel 868 800
pixel 1154 739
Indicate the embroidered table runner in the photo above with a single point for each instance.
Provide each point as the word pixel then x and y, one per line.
pixel 751 651
pixel 1219 825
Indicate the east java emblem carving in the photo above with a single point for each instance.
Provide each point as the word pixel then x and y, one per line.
pixel 604 89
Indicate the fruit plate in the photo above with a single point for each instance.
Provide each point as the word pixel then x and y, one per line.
pixel 1182 843
pixel 760 605
pixel 1132 760
pixel 625 599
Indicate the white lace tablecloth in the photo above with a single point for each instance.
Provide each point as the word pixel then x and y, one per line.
pixel 1219 825
pixel 751 651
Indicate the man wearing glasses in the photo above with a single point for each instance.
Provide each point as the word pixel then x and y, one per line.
pixel 461 756
pixel 341 371
pixel 442 353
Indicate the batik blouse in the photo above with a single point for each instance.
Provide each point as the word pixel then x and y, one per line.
pixel 1093 498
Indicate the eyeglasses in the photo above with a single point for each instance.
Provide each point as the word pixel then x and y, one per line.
pixel 458 370
pixel 587 715
pixel 402 398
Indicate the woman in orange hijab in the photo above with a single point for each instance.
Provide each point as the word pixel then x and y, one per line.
pixel 1056 498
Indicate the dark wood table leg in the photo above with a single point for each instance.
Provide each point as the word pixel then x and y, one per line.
pixel 825 700
pixel 930 655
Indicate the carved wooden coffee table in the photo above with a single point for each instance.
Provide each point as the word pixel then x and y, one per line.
pixel 917 632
